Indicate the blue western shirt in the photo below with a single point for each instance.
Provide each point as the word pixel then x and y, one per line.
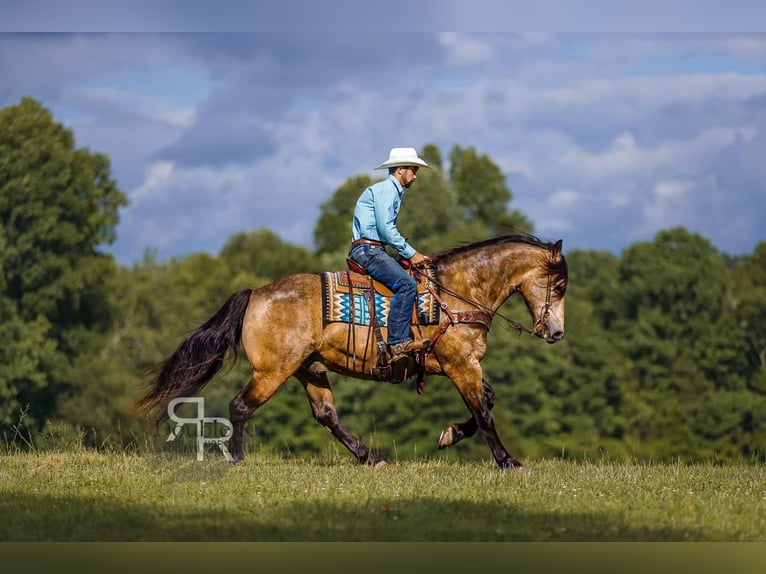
pixel 375 216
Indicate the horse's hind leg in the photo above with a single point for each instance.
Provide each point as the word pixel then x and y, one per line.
pixel 456 432
pixel 244 404
pixel 319 393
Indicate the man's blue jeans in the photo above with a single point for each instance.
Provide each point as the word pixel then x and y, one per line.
pixel 385 269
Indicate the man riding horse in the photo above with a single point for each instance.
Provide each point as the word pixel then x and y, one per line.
pixel 283 328
pixel 374 227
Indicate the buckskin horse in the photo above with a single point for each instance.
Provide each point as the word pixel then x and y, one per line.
pixel 284 330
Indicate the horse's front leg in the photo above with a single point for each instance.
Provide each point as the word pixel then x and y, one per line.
pixel 467 377
pixel 454 433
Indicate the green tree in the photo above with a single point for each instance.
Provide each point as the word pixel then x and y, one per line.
pixel 482 192
pixel 590 384
pixel 333 230
pixel 748 295
pixel 27 359
pixel 674 291
pixel 58 206
pixel 680 335
pixel 263 254
pixel 154 305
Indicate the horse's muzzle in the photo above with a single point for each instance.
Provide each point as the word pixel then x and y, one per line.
pixel 554 337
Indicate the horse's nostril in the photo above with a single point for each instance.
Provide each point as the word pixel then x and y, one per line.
pixel 557 335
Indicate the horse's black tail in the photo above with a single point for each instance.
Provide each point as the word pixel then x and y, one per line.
pixel 197 359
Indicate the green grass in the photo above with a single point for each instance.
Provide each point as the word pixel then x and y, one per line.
pixel 121 496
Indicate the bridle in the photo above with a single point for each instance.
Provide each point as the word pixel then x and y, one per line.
pixel 545 310
pixel 538 328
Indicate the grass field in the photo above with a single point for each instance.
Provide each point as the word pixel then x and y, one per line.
pixel 83 495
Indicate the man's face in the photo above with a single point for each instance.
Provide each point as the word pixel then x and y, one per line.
pixel 408 175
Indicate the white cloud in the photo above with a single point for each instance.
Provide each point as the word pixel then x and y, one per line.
pixel 555 211
pixel 675 203
pixel 604 137
pixel 750 45
pixel 670 190
pixel 156 175
pixel 564 197
pixel 463 49
pixel 160 110
pixel 625 158
pixel 668 203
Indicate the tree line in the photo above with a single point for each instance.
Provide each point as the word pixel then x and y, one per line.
pixel 664 357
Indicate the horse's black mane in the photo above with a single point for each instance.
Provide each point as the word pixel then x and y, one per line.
pixel 511 238
pixel 558 267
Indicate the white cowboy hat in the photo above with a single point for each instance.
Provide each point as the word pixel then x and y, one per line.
pixel 402 156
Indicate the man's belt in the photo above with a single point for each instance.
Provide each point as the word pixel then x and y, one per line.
pixel 366 242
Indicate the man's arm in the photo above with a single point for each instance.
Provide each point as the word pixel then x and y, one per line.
pixel 386 212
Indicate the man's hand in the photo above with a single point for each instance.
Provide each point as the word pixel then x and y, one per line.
pixel 419 259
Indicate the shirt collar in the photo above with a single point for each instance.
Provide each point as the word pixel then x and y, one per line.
pixel 398 185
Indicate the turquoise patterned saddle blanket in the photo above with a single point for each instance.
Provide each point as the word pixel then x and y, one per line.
pixel 344 301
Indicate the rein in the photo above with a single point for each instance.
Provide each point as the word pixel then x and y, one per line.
pixel 538 326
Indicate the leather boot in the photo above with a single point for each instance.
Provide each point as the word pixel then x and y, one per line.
pixel 406 347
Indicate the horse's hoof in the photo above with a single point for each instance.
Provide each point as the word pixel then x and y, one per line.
pixel 513 464
pixel 380 464
pixel 447 437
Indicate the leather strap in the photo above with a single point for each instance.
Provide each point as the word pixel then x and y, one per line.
pixel 480 317
pixel 380 344
pixel 367 242
pixel 351 338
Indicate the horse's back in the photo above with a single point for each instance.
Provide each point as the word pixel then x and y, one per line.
pixel 289 309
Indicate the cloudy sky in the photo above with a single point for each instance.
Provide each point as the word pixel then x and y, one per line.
pixel 604 138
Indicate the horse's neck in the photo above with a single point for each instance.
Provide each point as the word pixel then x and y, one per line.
pixel 490 275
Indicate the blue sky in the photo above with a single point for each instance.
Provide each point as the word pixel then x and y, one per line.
pixel 604 138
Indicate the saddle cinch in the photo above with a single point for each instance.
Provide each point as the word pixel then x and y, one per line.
pixel 354 298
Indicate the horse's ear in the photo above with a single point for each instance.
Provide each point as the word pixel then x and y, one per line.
pixel 556 250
